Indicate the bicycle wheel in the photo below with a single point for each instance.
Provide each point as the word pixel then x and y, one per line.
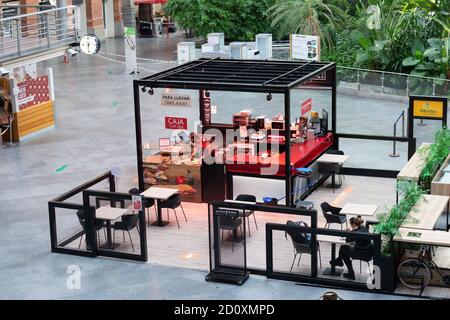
pixel 414 274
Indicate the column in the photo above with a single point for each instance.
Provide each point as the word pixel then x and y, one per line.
pixel 94 18
pixel 61 16
pixel 118 25
pixel 28 20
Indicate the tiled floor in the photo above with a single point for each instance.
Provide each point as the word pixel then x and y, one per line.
pixel 94 132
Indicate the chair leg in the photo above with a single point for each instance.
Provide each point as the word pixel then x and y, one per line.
pixel 81 239
pixel 176 217
pixel 104 233
pixel 254 218
pixel 182 209
pixel 114 235
pixel 156 211
pixel 341 226
pixel 293 261
pixel 248 224
pixel 360 266
pixel 168 214
pixel 130 240
pixel 123 233
pixel 148 214
pixel 320 258
pixel 299 258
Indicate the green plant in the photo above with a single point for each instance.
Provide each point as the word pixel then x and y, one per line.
pixel 390 221
pixel 238 19
pixel 432 61
pixel 311 17
pixel 435 156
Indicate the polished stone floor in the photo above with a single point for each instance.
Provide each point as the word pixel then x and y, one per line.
pixel 95 132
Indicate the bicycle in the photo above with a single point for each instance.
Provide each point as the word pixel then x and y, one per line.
pixel 416 273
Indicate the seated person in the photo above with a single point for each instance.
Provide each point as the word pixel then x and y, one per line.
pixel 356 248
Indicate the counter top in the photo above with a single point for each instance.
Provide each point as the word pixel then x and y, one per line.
pixel 181 160
pixel 302 154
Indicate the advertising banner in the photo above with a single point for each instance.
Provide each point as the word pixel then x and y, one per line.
pixel 428 109
pixel 306 106
pixel 304 47
pixel 32 92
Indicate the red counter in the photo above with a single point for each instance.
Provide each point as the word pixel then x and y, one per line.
pixel 301 155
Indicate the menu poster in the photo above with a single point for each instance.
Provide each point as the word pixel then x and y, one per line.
pixel 304 47
pixel 32 92
pixel 206 102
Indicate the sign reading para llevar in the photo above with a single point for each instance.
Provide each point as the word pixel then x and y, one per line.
pixel 176 100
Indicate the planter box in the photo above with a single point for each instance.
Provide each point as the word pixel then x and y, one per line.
pixel 438 188
pixel 388 272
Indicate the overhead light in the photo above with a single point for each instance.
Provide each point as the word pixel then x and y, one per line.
pixel 150 91
pixel 144 89
pixel 207 94
pixel 269 97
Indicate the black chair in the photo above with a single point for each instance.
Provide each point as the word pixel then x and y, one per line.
pixel 148 203
pixel 301 245
pixel 248 213
pixel 231 224
pixel 332 215
pixel 332 169
pixel 365 255
pixel 341 153
pixel 172 203
pixel 99 224
pixel 127 225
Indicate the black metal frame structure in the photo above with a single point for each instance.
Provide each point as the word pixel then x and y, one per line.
pixel 91 235
pixel 263 76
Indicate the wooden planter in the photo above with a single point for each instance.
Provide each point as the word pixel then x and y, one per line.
pixel 437 188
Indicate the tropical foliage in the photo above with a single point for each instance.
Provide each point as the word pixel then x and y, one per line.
pixel 238 19
pixel 390 221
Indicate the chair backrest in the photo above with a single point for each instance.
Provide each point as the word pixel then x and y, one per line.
pixel 132 221
pixel 246 198
pixel 338 152
pixel 330 213
pixel 324 167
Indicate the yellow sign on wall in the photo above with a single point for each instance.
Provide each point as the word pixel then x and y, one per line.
pixel 429 109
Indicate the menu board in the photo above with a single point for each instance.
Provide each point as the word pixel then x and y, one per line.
pixel 305 47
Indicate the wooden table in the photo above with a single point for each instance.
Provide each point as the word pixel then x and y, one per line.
pixel 356 209
pixel 332 271
pixel 411 171
pixel 426 237
pixel 333 158
pixel 109 214
pixel 159 194
pixel 426 212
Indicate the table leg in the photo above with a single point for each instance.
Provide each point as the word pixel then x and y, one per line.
pixel 159 222
pixel 109 244
pixel 332 271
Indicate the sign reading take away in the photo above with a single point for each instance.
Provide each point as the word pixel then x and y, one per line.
pixel 176 100
pixel 176 123
pixel 428 109
pixel 306 106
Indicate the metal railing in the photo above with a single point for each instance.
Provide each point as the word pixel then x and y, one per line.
pixel 41 30
pixel 385 82
pixel 394 153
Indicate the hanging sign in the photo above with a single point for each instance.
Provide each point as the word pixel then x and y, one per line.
pixel 306 106
pixel 206 108
pixel 305 47
pixel 428 109
pixel 176 123
pixel 176 100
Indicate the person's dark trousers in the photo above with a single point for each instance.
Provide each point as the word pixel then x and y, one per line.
pixel 345 253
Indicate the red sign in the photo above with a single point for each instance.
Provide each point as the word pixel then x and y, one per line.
pixel 306 106
pixel 176 123
pixel 33 92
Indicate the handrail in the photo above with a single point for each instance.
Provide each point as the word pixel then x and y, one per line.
pixel 20 16
pixel 394 153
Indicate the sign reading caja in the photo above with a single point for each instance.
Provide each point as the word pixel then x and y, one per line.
pixel 428 109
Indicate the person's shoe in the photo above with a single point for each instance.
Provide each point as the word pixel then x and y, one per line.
pixel 336 262
pixel 350 276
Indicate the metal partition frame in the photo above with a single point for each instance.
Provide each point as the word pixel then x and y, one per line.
pixel 116 197
pixel 314 279
pixel 59 202
pixel 214 232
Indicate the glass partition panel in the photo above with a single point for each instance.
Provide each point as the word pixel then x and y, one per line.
pixel 374 154
pixel 290 253
pixel 370 81
pixel 395 84
pixel 71 229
